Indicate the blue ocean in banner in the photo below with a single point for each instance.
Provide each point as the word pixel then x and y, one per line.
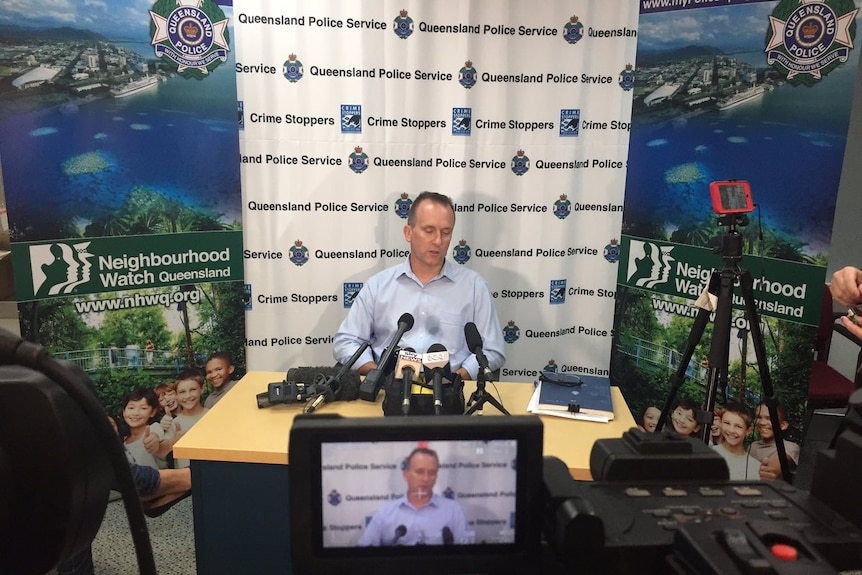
pixel 172 137
pixel 787 142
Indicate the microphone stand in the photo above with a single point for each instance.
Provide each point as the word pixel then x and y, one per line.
pixel 480 397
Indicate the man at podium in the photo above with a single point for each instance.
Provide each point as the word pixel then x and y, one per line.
pixel 442 297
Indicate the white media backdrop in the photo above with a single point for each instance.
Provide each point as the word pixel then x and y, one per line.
pixel 520 112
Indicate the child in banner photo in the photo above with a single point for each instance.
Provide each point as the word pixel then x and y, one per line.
pixel 735 427
pixel 649 418
pixel 190 384
pixel 683 416
pixel 219 372
pixel 142 434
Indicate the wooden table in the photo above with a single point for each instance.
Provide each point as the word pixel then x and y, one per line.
pixel 239 458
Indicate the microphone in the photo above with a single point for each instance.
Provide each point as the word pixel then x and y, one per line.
pixel 407 367
pixel 474 344
pixel 332 386
pixel 437 358
pixel 400 532
pixel 448 537
pixel 369 388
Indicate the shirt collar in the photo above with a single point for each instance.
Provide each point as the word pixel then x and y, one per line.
pixel 450 271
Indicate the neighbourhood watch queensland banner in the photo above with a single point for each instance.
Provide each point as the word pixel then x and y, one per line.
pixel 119 149
pixel 755 91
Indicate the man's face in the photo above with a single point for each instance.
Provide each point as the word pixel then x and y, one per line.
pixel 421 475
pixel 430 234
pixel 683 421
pixel 218 372
pixel 733 428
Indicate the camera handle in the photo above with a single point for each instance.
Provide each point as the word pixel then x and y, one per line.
pixel 721 284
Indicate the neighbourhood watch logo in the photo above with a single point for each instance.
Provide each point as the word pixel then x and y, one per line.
pixel 59 268
pixel 649 264
pixel 190 36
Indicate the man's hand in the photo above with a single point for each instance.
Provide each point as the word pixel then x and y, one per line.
pixel 465 375
pixel 366 367
pixel 845 286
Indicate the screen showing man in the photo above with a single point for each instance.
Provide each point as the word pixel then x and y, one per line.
pixel 451 493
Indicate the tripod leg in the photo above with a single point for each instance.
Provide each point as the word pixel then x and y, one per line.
pixel 770 399
pixel 694 337
pixel 719 349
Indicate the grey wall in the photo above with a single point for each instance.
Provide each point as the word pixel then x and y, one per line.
pixel 846 246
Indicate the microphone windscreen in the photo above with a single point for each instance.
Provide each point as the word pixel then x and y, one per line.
pixel 471 334
pixel 407 319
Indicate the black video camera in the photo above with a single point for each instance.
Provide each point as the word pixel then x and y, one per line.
pixel 661 503
pixel 290 392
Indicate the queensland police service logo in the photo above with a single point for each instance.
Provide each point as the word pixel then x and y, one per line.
pixel 402 25
pixel 59 268
pixel 462 120
pixel 467 75
pixel 808 39
pixel 461 252
pixel 351 118
pixel 552 366
pixel 562 207
pixel 298 253
pixel 402 206
pixel 557 291
pixel 570 123
pixel 292 69
pixel 358 160
pixel 573 30
pixel 350 291
pixel 627 78
pixel 511 332
pixel 189 36
pixel 334 498
pixel 520 163
pixel 612 251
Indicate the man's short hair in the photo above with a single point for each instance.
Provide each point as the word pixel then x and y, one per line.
pixel 424 451
pixel 441 199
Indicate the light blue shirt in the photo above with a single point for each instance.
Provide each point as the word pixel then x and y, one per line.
pixel 440 310
pixel 421 526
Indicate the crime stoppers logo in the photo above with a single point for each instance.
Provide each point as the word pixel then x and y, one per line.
pixel 807 39
pixel 649 264
pixel 190 36
pixel 57 269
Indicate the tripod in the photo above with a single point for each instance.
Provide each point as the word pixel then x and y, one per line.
pixel 721 285
pixel 480 397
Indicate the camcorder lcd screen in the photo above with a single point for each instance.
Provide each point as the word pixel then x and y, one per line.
pixel 427 493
